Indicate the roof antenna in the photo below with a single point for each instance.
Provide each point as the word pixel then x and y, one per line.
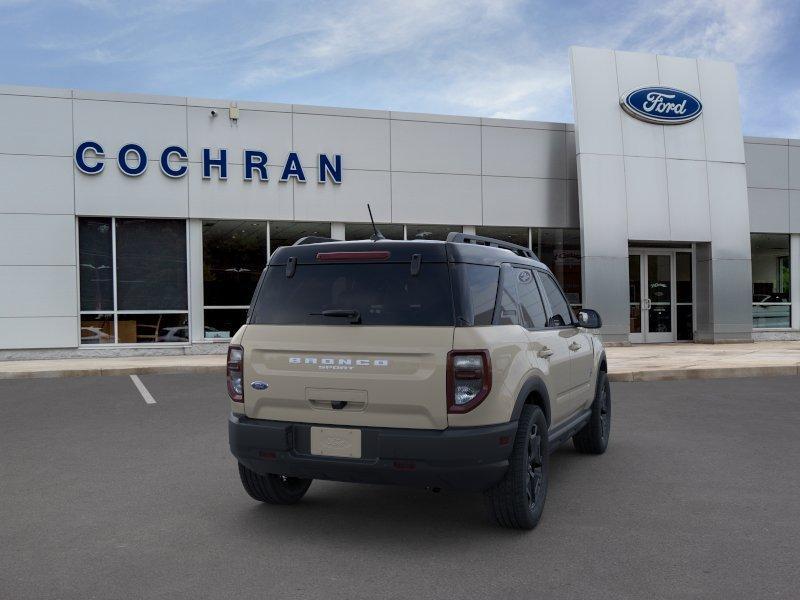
pixel 377 236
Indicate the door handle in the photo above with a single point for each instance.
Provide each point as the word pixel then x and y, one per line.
pixel 574 346
pixel 545 353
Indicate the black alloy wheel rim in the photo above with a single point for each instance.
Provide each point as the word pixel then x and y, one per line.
pixel 535 468
pixel 605 409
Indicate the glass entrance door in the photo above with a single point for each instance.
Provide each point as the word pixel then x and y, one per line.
pixel 660 295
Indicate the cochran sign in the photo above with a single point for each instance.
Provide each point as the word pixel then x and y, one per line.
pixel 662 105
pixel 132 160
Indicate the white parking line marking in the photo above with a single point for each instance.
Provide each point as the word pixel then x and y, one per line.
pixel 148 397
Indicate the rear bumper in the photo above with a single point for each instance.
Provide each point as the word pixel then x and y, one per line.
pixel 469 458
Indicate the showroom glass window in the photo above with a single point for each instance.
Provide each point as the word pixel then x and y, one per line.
pixel 771 280
pixel 560 250
pixel 133 279
pixel 234 254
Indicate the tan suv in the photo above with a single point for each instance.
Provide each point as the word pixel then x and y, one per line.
pixel 454 364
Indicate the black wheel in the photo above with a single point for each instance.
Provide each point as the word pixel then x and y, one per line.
pixel 273 489
pixel 518 500
pixel 593 438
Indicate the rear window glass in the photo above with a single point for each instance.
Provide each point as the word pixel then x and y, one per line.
pixel 383 294
pixel 478 292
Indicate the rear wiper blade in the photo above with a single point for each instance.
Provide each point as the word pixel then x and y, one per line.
pixel 347 313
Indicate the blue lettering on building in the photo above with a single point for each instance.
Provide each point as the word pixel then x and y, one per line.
pixel 326 168
pixel 220 163
pixel 80 158
pixel 123 160
pixel 167 168
pixel 255 160
pixel 174 162
pixel 293 168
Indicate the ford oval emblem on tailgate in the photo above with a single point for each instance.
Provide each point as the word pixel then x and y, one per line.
pixel 259 385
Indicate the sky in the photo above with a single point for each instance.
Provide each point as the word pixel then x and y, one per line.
pixel 488 58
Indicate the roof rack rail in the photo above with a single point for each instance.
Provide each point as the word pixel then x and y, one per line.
pixel 479 240
pixel 313 239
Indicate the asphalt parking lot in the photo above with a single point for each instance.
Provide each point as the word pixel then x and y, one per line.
pixel 105 495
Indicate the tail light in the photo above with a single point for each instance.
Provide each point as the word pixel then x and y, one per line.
pixel 469 379
pixel 235 372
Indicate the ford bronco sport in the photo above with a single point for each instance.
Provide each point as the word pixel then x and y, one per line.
pixel 454 364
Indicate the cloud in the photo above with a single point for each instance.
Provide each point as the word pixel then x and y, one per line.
pixel 505 58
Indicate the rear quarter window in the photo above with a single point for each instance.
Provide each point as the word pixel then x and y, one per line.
pixel 476 293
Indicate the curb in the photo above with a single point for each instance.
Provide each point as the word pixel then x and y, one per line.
pixel 113 371
pixel 704 373
pixel 616 376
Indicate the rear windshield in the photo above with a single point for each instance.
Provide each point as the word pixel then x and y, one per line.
pixel 381 293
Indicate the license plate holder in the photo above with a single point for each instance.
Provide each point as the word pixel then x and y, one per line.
pixel 336 441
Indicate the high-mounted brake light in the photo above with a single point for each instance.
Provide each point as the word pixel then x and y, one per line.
pixel 235 373
pixel 367 255
pixel 469 379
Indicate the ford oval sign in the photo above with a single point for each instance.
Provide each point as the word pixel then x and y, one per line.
pixel 662 105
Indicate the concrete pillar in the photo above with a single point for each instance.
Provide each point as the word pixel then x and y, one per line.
pixel 196 318
pixel 337 231
pixel 794 259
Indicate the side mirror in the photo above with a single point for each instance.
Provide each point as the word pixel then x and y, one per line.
pixel 590 319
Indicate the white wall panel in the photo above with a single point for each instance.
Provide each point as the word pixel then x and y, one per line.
pixel 722 120
pixel 114 124
pixel 769 210
pixel 436 147
pixel 595 98
pixel 794 211
pixel 635 70
pixel 604 215
pixel 363 143
pixel 794 167
pixel 647 202
pixel 767 166
pixel 38 291
pixel 573 206
pixel 689 217
pixel 35 125
pixel 524 201
pixel 152 194
pixel 328 202
pixel 27 239
pixel 569 154
pixel 239 199
pixel 36 184
pixel 524 152
pixel 270 132
pixel 436 198
pixel 730 212
pixel 38 332
pixel 688 140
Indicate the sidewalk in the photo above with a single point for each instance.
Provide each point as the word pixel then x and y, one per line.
pixel 657 362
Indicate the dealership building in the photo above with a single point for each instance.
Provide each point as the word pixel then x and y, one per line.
pixel 137 224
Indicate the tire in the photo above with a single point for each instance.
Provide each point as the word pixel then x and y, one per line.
pixel 518 500
pixel 273 489
pixel 593 438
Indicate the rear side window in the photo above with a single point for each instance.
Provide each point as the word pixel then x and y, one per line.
pixel 507 311
pixel 562 314
pixel 530 301
pixel 477 285
pixel 381 293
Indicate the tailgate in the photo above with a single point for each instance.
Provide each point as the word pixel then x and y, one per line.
pixel 348 375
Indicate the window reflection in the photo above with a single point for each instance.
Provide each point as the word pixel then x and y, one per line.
pixel 771 280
